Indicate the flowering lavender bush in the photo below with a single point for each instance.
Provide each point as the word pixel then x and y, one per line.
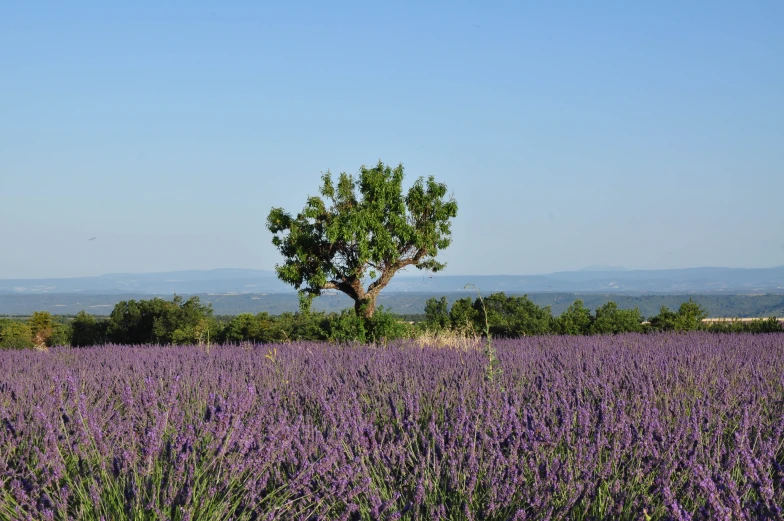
pixel 626 427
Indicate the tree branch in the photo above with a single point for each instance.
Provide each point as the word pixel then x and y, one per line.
pixel 350 286
pixel 390 271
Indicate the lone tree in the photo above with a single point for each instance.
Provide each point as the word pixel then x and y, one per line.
pixel 363 231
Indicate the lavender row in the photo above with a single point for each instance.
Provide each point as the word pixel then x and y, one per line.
pixel 683 426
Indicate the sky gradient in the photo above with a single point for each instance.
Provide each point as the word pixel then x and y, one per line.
pixel 602 133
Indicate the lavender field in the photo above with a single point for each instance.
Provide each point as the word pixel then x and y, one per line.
pixel 633 427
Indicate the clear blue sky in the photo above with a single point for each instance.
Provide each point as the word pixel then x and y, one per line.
pixel 646 136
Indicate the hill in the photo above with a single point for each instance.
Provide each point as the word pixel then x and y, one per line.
pixel 598 279
pixel 408 303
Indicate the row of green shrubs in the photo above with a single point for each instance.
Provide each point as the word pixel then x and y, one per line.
pixel 514 316
pixel 178 321
pixel 159 321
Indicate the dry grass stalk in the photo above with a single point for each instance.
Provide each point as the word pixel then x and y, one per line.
pixel 463 339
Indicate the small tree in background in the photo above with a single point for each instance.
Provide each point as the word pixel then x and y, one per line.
pixel 253 328
pixel 611 319
pixel 437 313
pixel 86 331
pixel 159 321
pixel 463 316
pixel 513 316
pixel 15 334
pixel 41 326
pixel 576 320
pixel 689 316
pixel 362 229
pixel 665 320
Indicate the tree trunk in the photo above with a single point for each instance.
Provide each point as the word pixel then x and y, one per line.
pixel 365 307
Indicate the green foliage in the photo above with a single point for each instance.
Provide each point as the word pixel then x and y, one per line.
pixel 204 331
pixel 384 326
pixel 190 322
pixel 362 229
pixel 15 334
pixel 437 313
pixel 86 331
pixel 303 326
pixel 768 325
pixel 259 328
pixel 665 320
pixel 41 327
pixel 61 335
pixel 159 321
pixel 576 320
pixel 688 318
pixel 611 319
pixel 463 316
pixel 510 316
pixel 347 326
pixel 127 325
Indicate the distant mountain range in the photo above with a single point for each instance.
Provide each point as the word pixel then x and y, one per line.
pixel 597 279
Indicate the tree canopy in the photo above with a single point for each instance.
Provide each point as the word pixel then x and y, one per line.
pixel 159 321
pixel 361 231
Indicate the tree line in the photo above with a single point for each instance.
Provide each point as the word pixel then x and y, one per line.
pixel 514 316
pixel 402 303
pixel 190 322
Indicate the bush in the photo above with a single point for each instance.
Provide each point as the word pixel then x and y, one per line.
pixel 303 326
pixel 664 321
pixel 15 334
pixel 246 327
pixel 610 319
pixel 437 314
pixel 41 328
pixel 768 325
pixel 86 331
pixel 159 321
pixel 576 320
pixel 510 316
pixel 384 326
pixel 61 335
pixel 463 316
pixel 346 326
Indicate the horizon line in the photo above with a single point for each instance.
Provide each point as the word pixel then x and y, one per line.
pixel 401 274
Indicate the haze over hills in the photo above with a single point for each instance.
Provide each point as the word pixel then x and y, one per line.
pixel 598 279
pixel 602 267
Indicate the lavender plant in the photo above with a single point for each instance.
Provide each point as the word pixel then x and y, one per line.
pixel 682 426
